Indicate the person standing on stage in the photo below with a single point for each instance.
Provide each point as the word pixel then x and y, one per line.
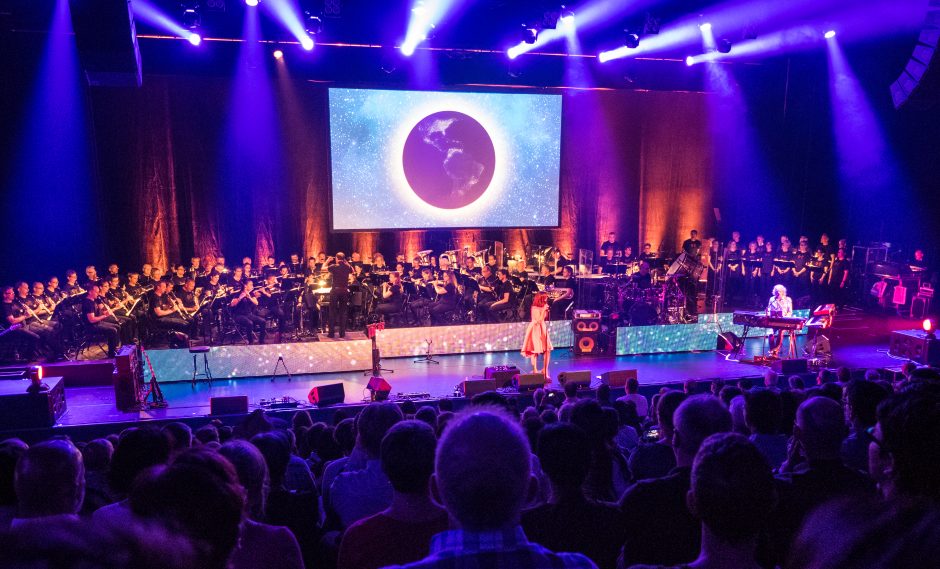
pixel 838 279
pixel 339 295
pixel 692 245
pixel 779 305
pixel 536 340
pixel 610 247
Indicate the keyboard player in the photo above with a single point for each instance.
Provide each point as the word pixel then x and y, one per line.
pixel 780 305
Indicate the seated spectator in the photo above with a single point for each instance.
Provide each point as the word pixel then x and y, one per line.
pixel 138 449
pixel 571 397
pixel 482 477
pixel 10 452
pixel 608 473
pixel 548 416
pixel 716 386
pixel 861 401
pixel 843 376
pixel 207 434
pixel 813 470
pixel 260 546
pixel 298 477
pixel 728 393
pixel 796 383
pixel 407 456
pixel 357 494
pixel 656 459
pixel 628 433
pixel 602 394
pixel 690 387
pixel 198 496
pixel 633 394
pixel 180 436
pixel 97 457
pixel 570 521
pixel 868 534
pixel 732 489
pixel 428 414
pixel 660 528
pixel 49 483
pixel 771 379
pixel 762 414
pixel 352 457
pixel 904 453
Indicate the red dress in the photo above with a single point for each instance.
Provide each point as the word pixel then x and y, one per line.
pixel 536 333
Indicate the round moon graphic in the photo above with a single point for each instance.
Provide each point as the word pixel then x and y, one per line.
pixel 449 159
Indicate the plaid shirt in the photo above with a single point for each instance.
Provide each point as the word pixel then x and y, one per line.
pixel 499 549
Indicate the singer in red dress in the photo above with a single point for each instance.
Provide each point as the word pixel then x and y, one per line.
pixel 536 335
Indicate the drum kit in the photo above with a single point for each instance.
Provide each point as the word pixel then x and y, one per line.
pixel 662 303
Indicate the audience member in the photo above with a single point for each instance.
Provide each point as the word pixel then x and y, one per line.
pixel 843 376
pixel 796 383
pixel 660 528
pixel 402 532
pixel 771 379
pixel 571 397
pixel 690 387
pixel 97 457
pixel 633 394
pixel 728 393
pixel 656 459
pixel 49 483
pixel 180 436
pixel 482 477
pixel 602 394
pixel 861 399
pixel 428 414
pixel 10 452
pixel 607 476
pixel 138 449
pixel 629 427
pixel 762 414
pixel 570 521
pixel 207 434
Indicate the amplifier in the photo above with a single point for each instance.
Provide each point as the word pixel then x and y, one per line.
pixel 528 381
pixel 126 378
pixel 476 385
pixel 581 377
pixel 915 345
pixel 790 367
pixel 230 405
pixel 618 378
pixel 22 410
pixel 329 394
pixel 502 374
pixel 586 326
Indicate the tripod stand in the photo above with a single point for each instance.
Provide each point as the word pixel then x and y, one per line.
pixel 280 361
pixel 153 387
pixel 428 357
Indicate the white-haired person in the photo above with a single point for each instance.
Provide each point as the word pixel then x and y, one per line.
pixel 780 305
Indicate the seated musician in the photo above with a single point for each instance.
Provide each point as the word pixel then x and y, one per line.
pixel 414 271
pixel 643 278
pixel 378 262
pixel 116 311
pixel 133 286
pixel 178 278
pixel 212 291
pixel 471 268
pixel 492 263
pixel 269 304
pixel 53 292
pixel 156 275
pixel 391 295
pixel 146 278
pixel 12 314
pixel 71 286
pixel 444 263
pixel 608 248
pixel 91 276
pixel 113 271
pixel 545 278
pixel 780 305
pixel 43 305
pixel 294 266
pixel 919 263
pixel 37 314
pixel 426 293
pixel 355 259
pixel 647 253
pixel 245 313
pixel 526 290
pixel 96 319
pixel 505 299
pixel 163 313
pixel 236 280
pixel 487 292
pixel 195 271
pixel 270 267
pixel 446 302
pixel 558 261
pixel 248 271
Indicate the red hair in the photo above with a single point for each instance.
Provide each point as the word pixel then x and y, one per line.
pixel 541 299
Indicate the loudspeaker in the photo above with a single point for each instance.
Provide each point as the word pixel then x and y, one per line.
pixel 126 378
pixel 528 381
pixel 379 388
pixel 581 377
pixel 790 367
pixel 586 326
pixel 502 374
pixel 22 410
pixel 728 342
pixel 618 378
pixel 474 386
pixel 106 38
pixel 915 345
pixel 231 405
pixel 329 394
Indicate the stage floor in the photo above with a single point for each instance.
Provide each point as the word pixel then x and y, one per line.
pixel 95 405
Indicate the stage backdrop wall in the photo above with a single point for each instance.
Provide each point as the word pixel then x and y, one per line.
pixel 178 176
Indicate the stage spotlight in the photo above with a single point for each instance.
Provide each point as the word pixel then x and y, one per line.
pixel 632 41
pixel 705 27
pixel 191 17
pixel 251 2
pixel 306 43
pixel 278 54
pixel 313 24
pixel 723 45
pixel 830 34
pixel 566 17
pixel 194 38
pixel 689 61
pixel 529 35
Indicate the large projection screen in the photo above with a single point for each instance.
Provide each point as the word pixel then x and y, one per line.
pixel 433 160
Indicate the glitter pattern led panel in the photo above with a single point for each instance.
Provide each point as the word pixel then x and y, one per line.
pixel 228 362
pixel 426 159
pixel 671 338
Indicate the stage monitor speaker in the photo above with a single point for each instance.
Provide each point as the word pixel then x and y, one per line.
pixel 230 405
pixel 728 342
pixel 477 385
pixel 580 377
pixel 329 394
pixel 915 345
pixel 126 378
pixel 502 374
pixel 106 38
pixel 586 325
pixel 528 381
pixel 618 378
pixel 790 367
pixel 22 410
pixel 379 388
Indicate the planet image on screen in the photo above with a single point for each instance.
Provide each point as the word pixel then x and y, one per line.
pixel 449 159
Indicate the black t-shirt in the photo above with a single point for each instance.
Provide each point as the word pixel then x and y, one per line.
pixel 396 297
pixel 89 306
pixel 607 246
pixel 70 288
pixel 162 301
pixel 504 288
pixel 450 296
pixel 691 246
pixel 134 290
pixel 244 307
pixel 188 298
pixel 340 273
pixel 7 309
pixel 643 281
pixel 547 281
